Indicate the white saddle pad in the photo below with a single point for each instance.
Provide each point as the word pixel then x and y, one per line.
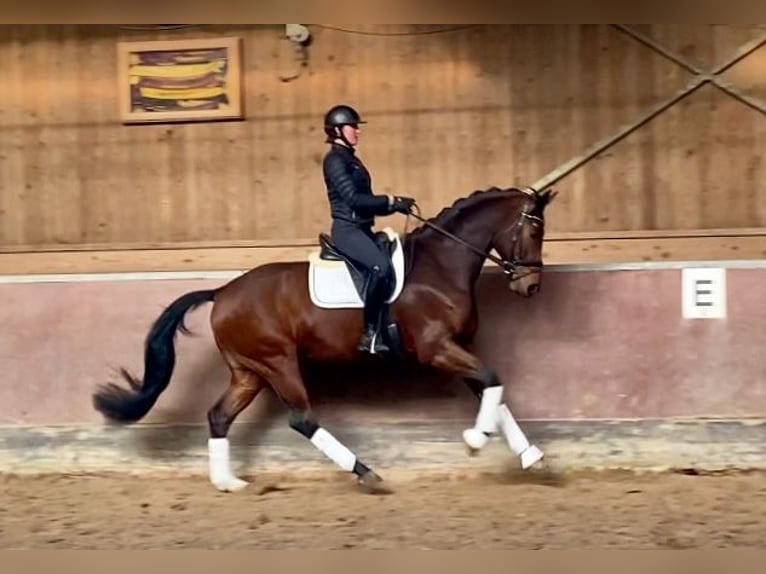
pixel 331 286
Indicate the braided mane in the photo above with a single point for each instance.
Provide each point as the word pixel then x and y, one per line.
pixel 448 214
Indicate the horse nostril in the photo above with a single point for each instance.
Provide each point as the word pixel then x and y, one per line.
pixel 532 289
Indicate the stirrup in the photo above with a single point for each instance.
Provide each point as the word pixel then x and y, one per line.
pixel 371 343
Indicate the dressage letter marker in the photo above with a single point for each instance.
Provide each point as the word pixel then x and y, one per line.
pixel 703 291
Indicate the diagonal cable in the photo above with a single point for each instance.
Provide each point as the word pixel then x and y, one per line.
pixel 714 75
pixel 700 78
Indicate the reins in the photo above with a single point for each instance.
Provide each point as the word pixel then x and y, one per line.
pixel 508 267
pixel 501 262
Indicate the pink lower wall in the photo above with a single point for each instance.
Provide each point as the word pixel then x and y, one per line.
pixel 592 344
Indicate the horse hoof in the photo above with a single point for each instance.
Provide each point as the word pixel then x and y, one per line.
pixel 230 485
pixel 530 456
pixel 470 451
pixel 373 484
pixel 475 440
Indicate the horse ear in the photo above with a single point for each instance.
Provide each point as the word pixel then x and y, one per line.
pixel 547 196
pixel 551 194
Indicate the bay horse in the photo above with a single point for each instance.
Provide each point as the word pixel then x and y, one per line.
pixel 264 321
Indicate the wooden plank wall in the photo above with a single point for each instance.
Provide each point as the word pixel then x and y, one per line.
pixel 449 113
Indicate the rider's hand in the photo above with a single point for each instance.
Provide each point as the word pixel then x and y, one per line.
pixel 402 204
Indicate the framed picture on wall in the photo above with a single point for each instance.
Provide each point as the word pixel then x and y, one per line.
pixel 180 80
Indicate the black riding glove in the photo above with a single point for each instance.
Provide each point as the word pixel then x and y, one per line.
pixel 402 204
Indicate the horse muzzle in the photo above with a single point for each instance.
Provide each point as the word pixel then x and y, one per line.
pixel 533 289
pixel 525 281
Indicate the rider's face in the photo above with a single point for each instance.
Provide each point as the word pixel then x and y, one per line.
pixel 352 133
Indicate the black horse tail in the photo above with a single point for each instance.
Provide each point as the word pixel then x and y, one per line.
pixel 130 405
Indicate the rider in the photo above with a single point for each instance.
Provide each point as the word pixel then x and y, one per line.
pixel 353 209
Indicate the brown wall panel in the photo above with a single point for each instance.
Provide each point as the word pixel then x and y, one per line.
pixel 448 113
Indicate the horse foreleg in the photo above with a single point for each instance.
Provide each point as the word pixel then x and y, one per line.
pixel 243 388
pixel 494 414
pixel 486 424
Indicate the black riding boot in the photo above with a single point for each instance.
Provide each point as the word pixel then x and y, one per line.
pixel 375 296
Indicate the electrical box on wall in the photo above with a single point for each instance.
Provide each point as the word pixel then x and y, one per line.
pixel 703 292
pixel 297 33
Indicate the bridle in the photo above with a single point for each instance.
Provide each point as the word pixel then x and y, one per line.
pixel 509 267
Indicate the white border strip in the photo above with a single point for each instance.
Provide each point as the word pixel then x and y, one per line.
pixel 228 275
pixel 121 276
pixel 655 265
pixel 647 265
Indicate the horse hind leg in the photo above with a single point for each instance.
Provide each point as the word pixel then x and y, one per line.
pixel 288 384
pixel 243 388
pixel 303 422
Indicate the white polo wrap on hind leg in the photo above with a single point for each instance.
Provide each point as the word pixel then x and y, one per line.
pixel 220 468
pixel 334 449
pixel 486 418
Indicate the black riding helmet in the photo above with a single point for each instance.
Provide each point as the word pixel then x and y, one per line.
pixel 339 116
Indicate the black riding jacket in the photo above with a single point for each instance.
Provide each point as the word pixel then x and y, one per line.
pixel 349 188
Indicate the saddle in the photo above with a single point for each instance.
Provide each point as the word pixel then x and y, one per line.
pixel 328 251
pixel 335 281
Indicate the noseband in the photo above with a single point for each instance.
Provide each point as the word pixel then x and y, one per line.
pixel 532 265
pixel 508 267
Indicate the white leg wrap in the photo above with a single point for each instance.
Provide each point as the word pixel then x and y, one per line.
pixel 220 471
pixel 515 437
pixel 517 440
pixel 334 449
pixel 486 419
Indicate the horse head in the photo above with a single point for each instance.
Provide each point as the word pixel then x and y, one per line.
pixel 520 243
pixel 509 221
